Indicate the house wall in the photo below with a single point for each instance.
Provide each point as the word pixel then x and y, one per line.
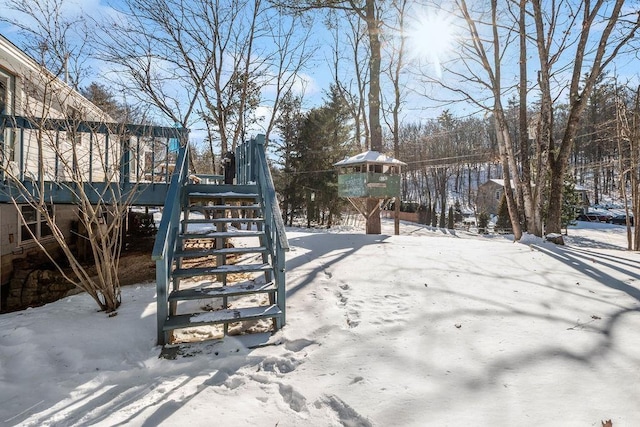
pixel 14 252
pixel 55 154
pixel 489 195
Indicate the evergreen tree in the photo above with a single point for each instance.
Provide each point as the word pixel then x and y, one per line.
pixel 434 216
pixel 483 222
pixel 457 212
pixel 570 202
pixel 504 221
pixel 287 180
pixel 104 99
pixel 450 223
pixel 324 139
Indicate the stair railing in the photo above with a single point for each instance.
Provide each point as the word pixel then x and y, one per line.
pixel 165 244
pixel 252 167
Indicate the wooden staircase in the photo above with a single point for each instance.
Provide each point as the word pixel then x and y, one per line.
pixel 220 258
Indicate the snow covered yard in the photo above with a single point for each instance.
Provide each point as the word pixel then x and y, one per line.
pixel 425 328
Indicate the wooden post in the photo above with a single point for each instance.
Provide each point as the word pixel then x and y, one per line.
pixel 396 217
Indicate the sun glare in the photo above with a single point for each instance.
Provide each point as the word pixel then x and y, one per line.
pixel 431 37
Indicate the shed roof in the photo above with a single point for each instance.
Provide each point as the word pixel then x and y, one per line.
pixel 370 157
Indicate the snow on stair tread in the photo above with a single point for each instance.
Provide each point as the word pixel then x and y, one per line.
pixel 220 234
pixel 228 207
pixel 223 269
pixel 219 220
pixel 228 251
pixel 221 291
pixel 221 316
pixel 225 194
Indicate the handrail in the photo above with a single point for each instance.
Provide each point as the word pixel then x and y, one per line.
pixel 165 243
pixel 252 167
pixel 172 204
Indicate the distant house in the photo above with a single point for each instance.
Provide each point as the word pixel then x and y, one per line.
pixel 490 193
pixel 584 203
pixel 489 196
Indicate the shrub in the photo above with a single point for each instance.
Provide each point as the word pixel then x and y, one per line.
pixel 483 222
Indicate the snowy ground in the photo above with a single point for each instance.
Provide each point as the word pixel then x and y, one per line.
pixel 425 328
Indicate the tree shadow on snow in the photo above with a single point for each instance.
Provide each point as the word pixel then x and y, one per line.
pixel 141 389
pixel 587 242
pixel 592 265
pixel 320 245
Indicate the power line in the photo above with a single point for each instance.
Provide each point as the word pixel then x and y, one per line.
pixel 463 156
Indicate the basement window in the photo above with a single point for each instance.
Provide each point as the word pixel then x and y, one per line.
pixel 34 224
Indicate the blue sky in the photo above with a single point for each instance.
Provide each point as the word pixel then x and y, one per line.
pixel 430 43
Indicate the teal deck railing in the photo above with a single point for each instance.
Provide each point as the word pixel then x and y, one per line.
pixel 165 245
pixel 252 168
pixel 144 166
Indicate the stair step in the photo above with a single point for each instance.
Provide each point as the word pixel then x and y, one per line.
pixel 196 253
pixel 221 317
pixel 223 269
pixel 217 208
pixel 223 195
pixel 221 234
pixel 221 189
pixel 221 220
pixel 244 288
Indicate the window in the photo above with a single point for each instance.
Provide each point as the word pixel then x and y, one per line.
pixel 34 224
pixel 7 134
pixel 3 95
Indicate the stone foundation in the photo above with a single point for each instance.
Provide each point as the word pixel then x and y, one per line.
pixel 35 287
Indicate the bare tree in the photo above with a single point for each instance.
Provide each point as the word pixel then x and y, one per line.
pixel 71 147
pixel 487 56
pixel 152 52
pixel 207 60
pixel 605 29
pixel 352 81
pixel 578 39
pixel 292 54
pixel 628 119
pixel 57 38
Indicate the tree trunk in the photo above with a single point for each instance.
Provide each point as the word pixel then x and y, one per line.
pixel 373 28
pixel 373 220
pixel 556 184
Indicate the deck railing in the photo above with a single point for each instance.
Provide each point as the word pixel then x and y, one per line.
pixel 166 238
pixel 139 154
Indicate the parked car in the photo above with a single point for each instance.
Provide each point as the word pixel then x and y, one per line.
pixel 595 217
pixel 621 219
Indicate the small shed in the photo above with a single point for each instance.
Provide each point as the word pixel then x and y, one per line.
pixel 369 175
